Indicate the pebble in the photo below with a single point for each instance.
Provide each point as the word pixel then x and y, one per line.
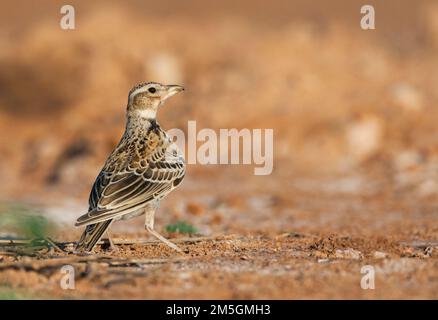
pixel 380 255
pixel 348 254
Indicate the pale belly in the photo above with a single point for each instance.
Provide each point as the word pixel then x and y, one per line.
pixel 149 206
pixel 131 215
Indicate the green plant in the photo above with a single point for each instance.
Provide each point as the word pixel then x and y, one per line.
pixel 181 227
pixel 6 293
pixel 24 221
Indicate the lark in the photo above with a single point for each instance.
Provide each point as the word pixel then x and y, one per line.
pixel 143 169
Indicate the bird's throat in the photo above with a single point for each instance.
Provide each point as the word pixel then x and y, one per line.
pixel 147 113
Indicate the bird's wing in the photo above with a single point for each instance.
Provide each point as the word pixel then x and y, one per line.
pixel 119 190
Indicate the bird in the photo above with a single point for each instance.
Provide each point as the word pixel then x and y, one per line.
pixel 145 166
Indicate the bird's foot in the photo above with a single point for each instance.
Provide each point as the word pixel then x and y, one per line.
pixel 110 246
pixel 163 239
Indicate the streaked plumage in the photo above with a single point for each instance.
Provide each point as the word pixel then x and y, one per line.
pixel 144 167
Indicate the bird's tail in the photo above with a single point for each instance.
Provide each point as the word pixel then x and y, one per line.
pixel 92 234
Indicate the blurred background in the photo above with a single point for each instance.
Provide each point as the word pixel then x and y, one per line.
pixel 354 112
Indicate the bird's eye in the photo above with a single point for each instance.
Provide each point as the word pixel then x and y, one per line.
pixel 152 90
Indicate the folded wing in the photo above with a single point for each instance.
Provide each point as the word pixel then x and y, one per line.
pixel 130 187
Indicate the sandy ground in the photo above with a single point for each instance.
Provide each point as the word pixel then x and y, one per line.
pixel 286 266
pixel 294 246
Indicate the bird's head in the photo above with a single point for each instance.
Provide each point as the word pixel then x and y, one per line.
pixel 144 99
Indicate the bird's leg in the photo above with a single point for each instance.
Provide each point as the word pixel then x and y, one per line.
pixel 149 226
pixel 113 247
pixel 160 237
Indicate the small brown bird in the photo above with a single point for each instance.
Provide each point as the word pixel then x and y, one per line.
pixel 144 168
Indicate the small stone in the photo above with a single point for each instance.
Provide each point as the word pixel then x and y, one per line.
pixel 380 255
pixel 70 247
pixel 184 275
pixel 300 254
pixel 323 260
pixel 348 254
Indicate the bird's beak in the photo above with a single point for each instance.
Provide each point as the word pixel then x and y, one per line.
pixel 173 90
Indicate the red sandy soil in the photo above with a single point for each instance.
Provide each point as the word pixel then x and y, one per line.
pixel 287 266
pixel 303 245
